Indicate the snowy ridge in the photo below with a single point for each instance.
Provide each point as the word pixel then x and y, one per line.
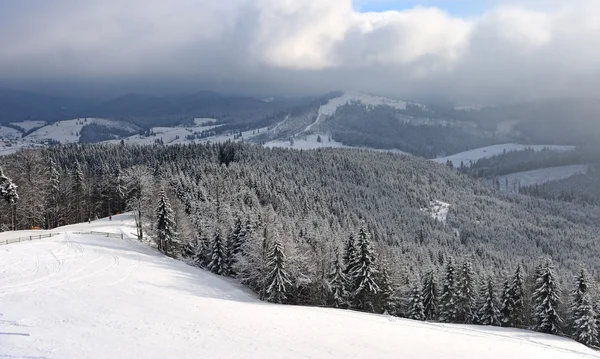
pixel 29 125
pixel 311 142
pixel 69 131
pixel 88 296
pixel 490 151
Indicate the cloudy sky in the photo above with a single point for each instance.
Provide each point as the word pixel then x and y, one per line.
pixel 464 50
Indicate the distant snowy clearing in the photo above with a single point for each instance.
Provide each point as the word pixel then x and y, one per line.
pixel 89 296
pixel 530 178
pixel 489 151
pixel 311 142
pixel 29 125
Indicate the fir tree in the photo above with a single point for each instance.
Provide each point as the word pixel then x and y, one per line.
pixel 278 279
pixel 466 294
pixel 53 195
pixel 218 255
pixel 349 252
pixel 430 296
pixel 488 313
pixel 448 298
pixel 165 223
pixel 363 272
pixel 546 300
pixel 338 283
pixel 513 303
pixel 79 191
pixel 416 309
pixel 8 190
pixel 583 315
pixel 386 302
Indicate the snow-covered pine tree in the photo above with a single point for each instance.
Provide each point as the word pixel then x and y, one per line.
pixel 165 223
pixel 278 279
pixel 349 253
pixel 416 309
pixel 448 298
pixel 385 297
pixel 488 313
pixel 218 257
pixel 545 300
pixel 466 294
pixel 430 296
pixel 338 283
pixel 363 273
pixel 513 302
pixel 583 315
pixel 79 192
pixel 8 190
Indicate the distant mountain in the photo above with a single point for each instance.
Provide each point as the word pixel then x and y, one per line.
pixel 17 106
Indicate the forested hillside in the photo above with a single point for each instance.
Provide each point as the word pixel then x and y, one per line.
pixel 295 226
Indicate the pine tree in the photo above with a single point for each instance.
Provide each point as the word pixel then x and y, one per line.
pixel 513 303
pixel 385 298
pixel 448 298
pixel 79 192
pixel 218 256
pixel 583 315
pixel 278 279
pixel 430 296
pixel 546 300
pixel 488 313
pixel 349 253
pixel 53 191
pixel 234 243
pixel 338 283
pixel 8 190
pixel 416 309
pixel 363 272
pixel 165 223
pixel 466 294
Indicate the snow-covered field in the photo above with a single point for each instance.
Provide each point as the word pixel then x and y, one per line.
pixel 489 151
pixel 89 296
pixel 530 178
pixel 438 210
pixel 69 131
pixel 311 142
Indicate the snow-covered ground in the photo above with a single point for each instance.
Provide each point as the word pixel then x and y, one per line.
pixel 89 296
pixel 28 125
pixel 311 142
pixel 69 131
pixel 530 178
pixel 489 151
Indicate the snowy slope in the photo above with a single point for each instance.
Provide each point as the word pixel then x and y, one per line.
pixel 530 178
pixel 311 142
pixel 69 131
pixel 489 151
pixel 332 105
pixel 88 296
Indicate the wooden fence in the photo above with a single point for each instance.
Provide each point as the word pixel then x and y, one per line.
pixel 49 235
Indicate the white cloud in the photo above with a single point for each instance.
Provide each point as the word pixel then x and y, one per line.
pixel 544 47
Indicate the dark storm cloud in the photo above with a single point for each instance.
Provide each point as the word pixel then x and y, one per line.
pixel 524 49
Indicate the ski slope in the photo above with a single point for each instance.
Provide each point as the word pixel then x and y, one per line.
pixel 89 296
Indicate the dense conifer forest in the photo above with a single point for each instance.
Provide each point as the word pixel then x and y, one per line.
pixel 341 228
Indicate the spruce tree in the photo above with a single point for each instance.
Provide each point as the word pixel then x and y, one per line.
pixel 416 309
pixel 53 199
pixel 349 253
pixel 8 190
pixel 513 302
pixel 385 298
pixel 165 223
pixel 79 192
pixel 448 298
pixel 338 283
pixel 218 254
pixel 546 300
pixel 278 279
pixel 430 296
pixel 488 313
pixel 363 273
pixel 583 315
pixel 466 294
